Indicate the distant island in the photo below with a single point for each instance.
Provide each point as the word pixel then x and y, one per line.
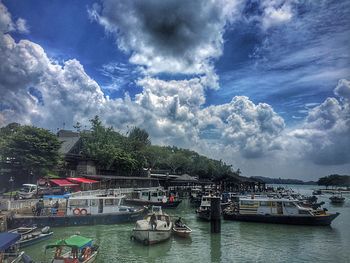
pixel 269 180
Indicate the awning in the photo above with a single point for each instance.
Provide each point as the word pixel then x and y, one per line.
pixel 82 180
pixel 7 240
pixel 75 241
pixel 62 182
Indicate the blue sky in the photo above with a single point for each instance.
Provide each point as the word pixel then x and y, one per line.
pixel 208 74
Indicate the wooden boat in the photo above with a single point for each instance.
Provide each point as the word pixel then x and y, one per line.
pixel 277 211
pixel 182 230
pixel 9 252
pixel 32 235
pixel 152 197
pixel 84 210
pixel 149 231
pixel 80 249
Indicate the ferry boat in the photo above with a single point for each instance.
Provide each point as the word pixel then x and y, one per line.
pixel 152 197
pixel 84 210
pixel 156 227
pixel 80 249
pixel 277 211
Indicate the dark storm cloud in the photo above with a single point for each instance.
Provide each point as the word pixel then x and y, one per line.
pixel 167 36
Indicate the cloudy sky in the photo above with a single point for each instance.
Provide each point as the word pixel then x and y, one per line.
pixel 263 85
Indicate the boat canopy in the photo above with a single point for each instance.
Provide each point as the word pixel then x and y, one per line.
pixel 75 241
pixel 62 182
pixel 8 239
pixel 82 180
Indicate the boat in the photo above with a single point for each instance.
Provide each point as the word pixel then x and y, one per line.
pixel 317 192
pixel 9 252
pixel 337 199
pixel 80 249
pixel 181 230
pixel 154 228
pixel 277 211
pixel 203 212
pixel 152 197
pixel 83 210
pixel 32 235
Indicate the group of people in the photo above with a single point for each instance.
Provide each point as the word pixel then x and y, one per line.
pixel 39 206
pixel 153 222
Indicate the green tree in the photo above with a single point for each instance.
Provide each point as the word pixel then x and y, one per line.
pixel 28 151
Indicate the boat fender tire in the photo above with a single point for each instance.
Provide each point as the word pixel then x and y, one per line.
pixel 83 212
pixel 76 211
pixel 146 242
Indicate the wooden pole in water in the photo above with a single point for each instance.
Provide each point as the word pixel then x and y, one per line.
pixel 215 215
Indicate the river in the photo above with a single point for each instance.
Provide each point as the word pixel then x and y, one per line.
pixel 237 242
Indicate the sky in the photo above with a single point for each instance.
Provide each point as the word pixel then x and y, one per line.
pixel 262 85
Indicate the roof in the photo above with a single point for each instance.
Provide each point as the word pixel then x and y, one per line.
pixel 82 180
pixel 8 239
pixel 187 178
pixel 75 241
pixel 67 144
pixel 62 182
pixel 117 177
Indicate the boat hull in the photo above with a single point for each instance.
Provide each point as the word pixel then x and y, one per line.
pixel 99 219
pixel 182 231
pixel 324 220
pixel 203 215
pixel 29 242
pixel 149 237
pixel 140 202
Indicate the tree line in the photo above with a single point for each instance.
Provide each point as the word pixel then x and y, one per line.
pixel 334 180
pixel 27 151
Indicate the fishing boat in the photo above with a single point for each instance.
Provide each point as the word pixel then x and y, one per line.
pixel 277 211
pixel 32 235
pixel 152 197
pixel 84 210
pixel 203 212
pixel 9 252
pixel 181 230
pixel 155 228
pixel 337 199
pixel 74 249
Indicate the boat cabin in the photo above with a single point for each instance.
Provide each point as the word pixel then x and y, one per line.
pixel 74 249
pixel 152 195
pixel 206 201
pixel 272 207
pixel 92 205
pixel 9 248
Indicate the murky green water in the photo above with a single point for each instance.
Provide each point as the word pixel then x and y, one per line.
pixel 237 242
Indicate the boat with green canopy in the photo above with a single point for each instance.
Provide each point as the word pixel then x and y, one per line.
pixel 74 249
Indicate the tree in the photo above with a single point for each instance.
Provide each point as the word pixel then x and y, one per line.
pixel 28 151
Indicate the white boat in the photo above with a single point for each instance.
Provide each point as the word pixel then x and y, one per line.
pixel 203 212
pixel 156 227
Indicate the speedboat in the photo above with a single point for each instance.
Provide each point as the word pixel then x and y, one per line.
pixel 80 249
pixel 277 211
pixel 32 235
pixel 337 199
pixel 156 227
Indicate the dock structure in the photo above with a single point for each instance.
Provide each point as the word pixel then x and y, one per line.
pixel 215 215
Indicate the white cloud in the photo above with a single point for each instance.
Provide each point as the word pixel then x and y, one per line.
pixel 325 134
pixel 21 26
pixel 276 12
pixel 6 24
pixel 176 37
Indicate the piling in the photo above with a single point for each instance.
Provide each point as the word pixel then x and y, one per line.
pixel 215 215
